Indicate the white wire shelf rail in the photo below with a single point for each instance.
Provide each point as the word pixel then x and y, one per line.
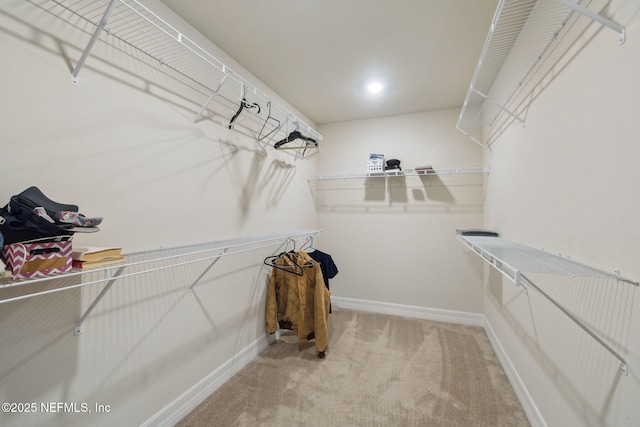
pixel 400 179
pixel 515 261
pixel 139 263
pixel 407 172
pixel 527 38
pixel 168 49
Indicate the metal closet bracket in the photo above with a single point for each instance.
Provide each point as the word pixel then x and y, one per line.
pixel 622 34
pixel 92 41
pixel 501 107
pixel 213 95
pixel 623 363
pixel 77 330
pixel 471 137
pixel 206 270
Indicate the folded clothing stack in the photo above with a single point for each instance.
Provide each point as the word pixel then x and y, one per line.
pixel 424 169
pixel 393 164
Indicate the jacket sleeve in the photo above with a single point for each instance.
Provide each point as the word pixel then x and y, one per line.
pixel 321 312
pixel 271 309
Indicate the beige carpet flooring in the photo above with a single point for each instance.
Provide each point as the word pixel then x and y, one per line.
pixel 380 370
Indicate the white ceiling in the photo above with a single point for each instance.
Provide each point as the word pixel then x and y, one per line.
pixel 320 54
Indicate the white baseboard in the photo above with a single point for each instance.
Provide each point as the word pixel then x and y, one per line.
pixel 189 400
pixel 530 409
pixel 474 319
pixel 171 414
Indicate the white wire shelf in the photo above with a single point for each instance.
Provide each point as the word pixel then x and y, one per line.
pixel 526 39
pixel 407 172
pixel 132 24
pixel 157 260
pixel 516 261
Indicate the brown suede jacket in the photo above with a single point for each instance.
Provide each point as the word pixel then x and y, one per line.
pixel 300 303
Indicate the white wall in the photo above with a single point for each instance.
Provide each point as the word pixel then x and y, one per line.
pixel 397 245
pixel 567 182
pixel 121 146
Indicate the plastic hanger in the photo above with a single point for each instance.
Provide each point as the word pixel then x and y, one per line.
pixel 292 137
pixel 243 104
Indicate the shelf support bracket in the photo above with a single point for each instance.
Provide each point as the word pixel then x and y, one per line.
pixel 623 363
pixel 92 41
pixel 471 137
pixel 77 330
pixel 488 99
pixel 622 34
pixel 206 270
pixel 213 95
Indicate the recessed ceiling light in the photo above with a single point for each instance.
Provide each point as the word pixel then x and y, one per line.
pixel 375 87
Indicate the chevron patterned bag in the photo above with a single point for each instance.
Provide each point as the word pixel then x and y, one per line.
pixel 38 258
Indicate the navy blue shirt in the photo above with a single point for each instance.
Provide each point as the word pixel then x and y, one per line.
pixel 327 266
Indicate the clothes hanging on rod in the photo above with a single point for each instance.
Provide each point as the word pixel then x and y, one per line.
pixel 327 265
pixel 292 265
pixel 299 302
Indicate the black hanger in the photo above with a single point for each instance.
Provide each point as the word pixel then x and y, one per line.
pixel 295 257
pixel 292 137
pixel 293 268
pixel 243 104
